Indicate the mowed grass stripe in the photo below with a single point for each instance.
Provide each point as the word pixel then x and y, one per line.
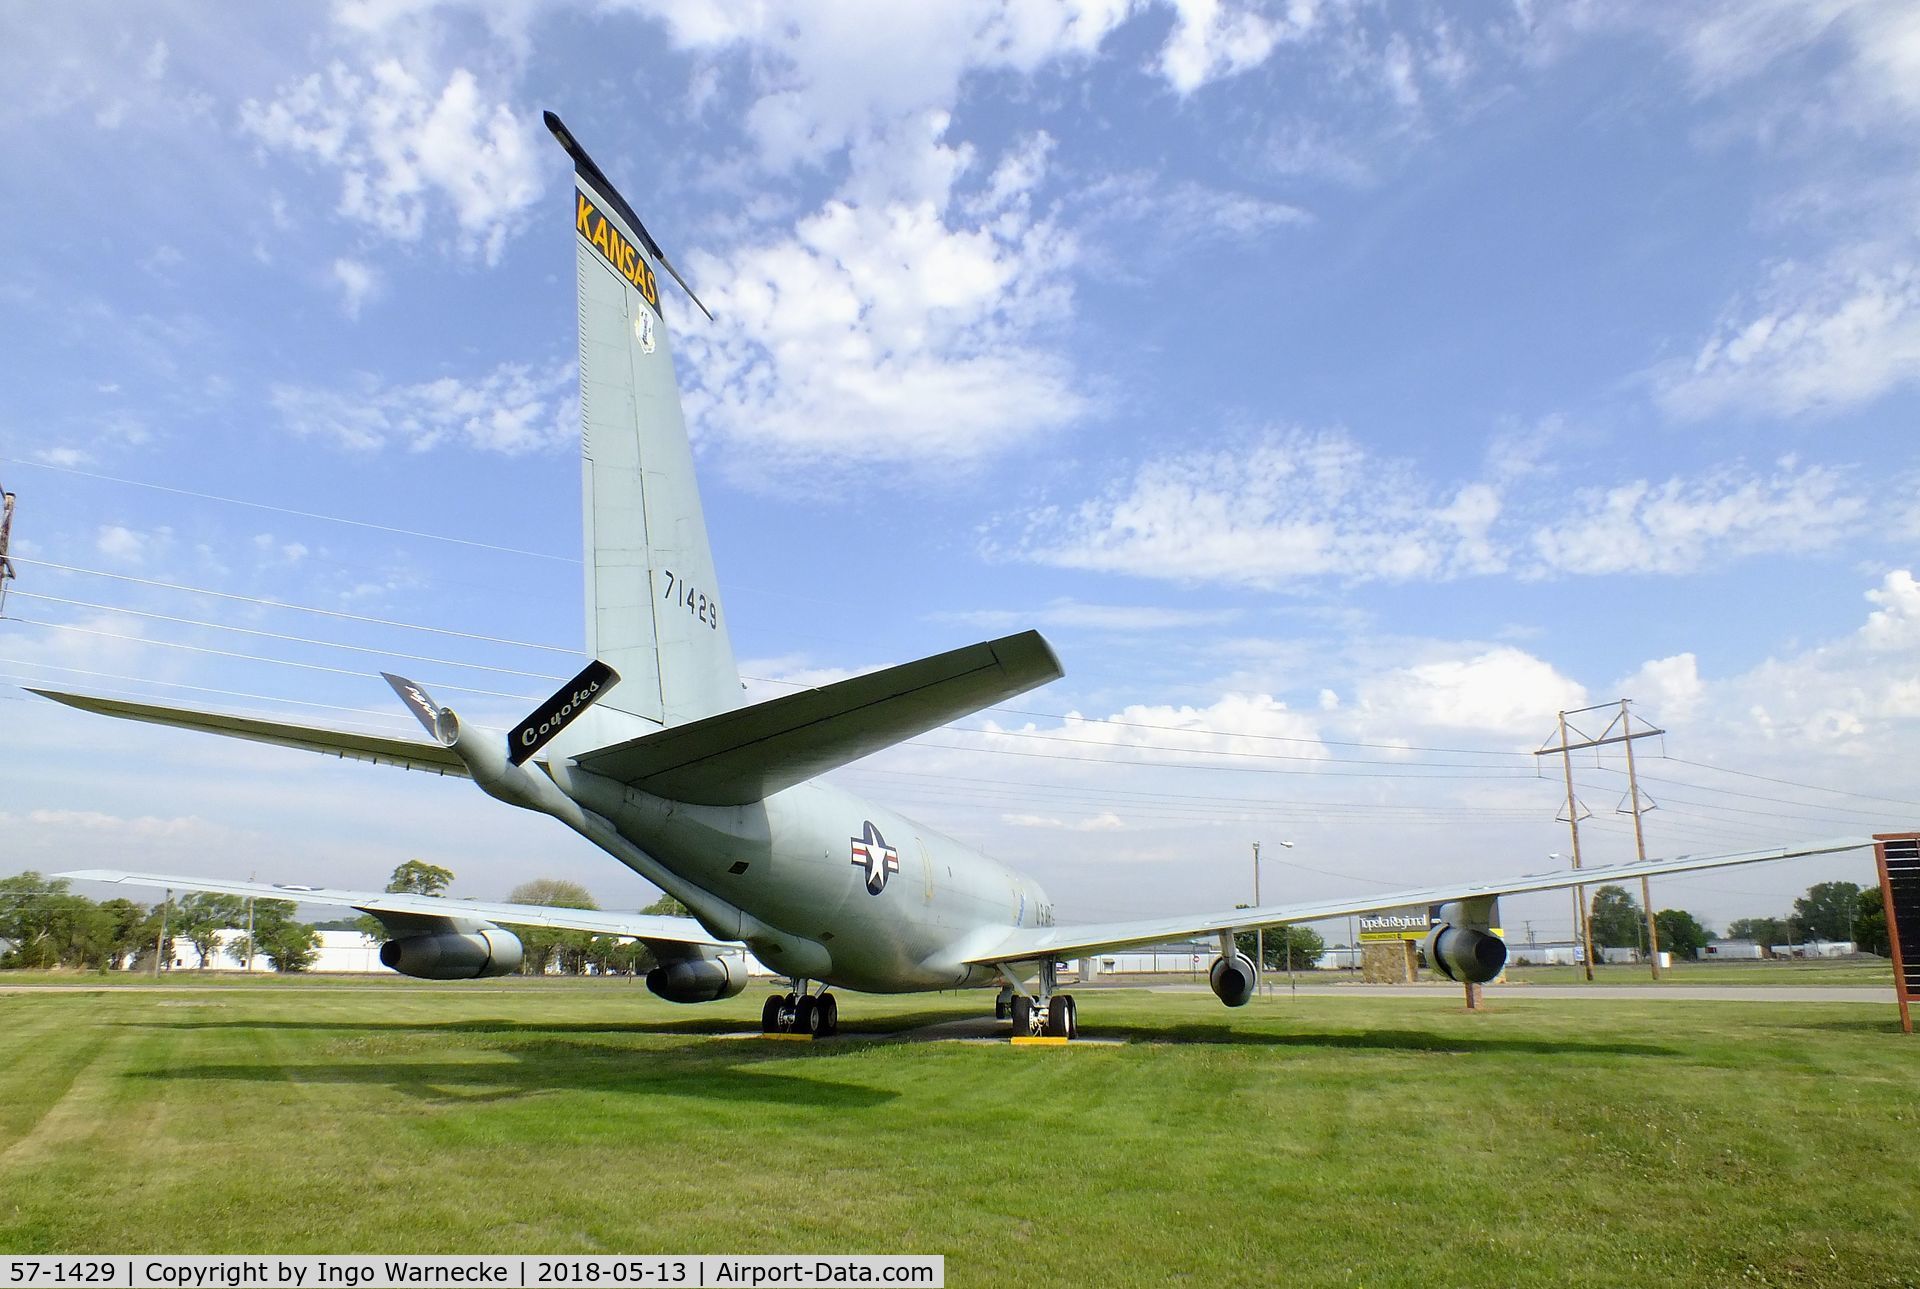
pixel 1328 1140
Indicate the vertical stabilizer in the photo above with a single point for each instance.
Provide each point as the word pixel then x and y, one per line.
pixel 654 610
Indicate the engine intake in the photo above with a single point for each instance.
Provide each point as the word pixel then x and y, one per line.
pixel 1466 954
pixel 1234 979
pixel 698 980
pixel 454 955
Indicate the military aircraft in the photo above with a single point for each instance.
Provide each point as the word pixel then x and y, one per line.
pixel 652 755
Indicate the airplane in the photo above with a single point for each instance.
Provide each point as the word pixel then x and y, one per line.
pixel 652 754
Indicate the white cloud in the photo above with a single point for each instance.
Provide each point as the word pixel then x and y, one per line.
pixel 1212 39
pixel 1682 525
pixel 1672 687
pixel 1290 506
pixel 832 74
pixel 1815 340
pixel 65 457
pixel 128 546
pixel 358 283
pixel 1236 723
pixel 1895 624
pixel 895 330
pixel 1094 617
pixel 1106 821
pixel 1295 506
pixel 433 159
pixel 513 409
pixel 1503 690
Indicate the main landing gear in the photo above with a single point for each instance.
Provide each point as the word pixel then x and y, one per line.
pixel 1037 1011
pixel 800 1012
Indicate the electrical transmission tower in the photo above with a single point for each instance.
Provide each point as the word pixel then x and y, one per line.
pixel 1620 729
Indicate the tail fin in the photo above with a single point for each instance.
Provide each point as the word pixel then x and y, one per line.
pixel 653 605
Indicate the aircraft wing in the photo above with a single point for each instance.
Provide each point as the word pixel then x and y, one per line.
pixel 638 926
pixel 352 745
pixel 1028 943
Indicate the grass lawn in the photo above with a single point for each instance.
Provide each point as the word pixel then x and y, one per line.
pixel 1313 1141
pixel 1791 971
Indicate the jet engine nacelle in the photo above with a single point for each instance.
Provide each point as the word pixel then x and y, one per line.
pixel 1464 952
pixel 454 955
pixel 1234 979
pixel 698 980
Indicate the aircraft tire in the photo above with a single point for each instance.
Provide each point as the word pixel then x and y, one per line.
pixel 806 1015
pixel 1071 1018
pixel 770 1015
pixel 827 1008
pixel 1003 1005
pixel 1022 1015
pixel 1060 1016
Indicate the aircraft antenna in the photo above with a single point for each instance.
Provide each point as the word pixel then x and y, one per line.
pixel 584 164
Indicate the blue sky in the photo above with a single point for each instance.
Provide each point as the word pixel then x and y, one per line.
pixel 1343 388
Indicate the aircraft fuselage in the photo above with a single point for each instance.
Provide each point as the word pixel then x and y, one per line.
pixel 821 884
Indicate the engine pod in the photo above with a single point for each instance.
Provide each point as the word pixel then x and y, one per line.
pixel 1234 979
pixel 454 955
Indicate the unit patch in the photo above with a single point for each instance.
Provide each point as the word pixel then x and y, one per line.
pixel 871 852
pixel 597 231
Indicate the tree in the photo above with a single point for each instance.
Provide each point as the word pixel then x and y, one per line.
pixel 1762 931
pixel 541 948
pixel 415 877
pixel 1870 923
pixel 1615 921
pixel 50 927
pixel 287 944
pixel 128 932
pixel 1826 911
pixel 1681 934
pixel 1303 944
pixel 201 917
pixel 666 907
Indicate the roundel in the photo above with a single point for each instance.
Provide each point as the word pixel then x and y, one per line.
pixel 871 852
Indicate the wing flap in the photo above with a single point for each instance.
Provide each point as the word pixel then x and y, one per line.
pixel 639 926
pixel 353 745
pixel 750 753
pixel 1024 944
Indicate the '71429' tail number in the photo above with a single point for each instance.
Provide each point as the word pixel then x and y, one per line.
pixel 696 602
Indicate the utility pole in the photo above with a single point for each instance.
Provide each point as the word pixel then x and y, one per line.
pixel 1259 933
pixel 1618 730
pixel 160 943
pixel 6 530
pixel 1640 840
pixel 1574 807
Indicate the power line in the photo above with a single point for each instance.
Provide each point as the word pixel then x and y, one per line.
pixel 276 635
pixel 1812 787
pixel 288 510
pixel 302 608
pixel 202 689
pixel 248 657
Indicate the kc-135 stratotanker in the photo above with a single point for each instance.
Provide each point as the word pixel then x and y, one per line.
pixel 651 755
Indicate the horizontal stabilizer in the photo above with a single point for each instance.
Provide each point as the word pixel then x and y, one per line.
pixel 750 753
pixel 354 745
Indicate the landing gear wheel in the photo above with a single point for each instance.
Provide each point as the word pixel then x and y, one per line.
pixel 826 1015
pixel 1022 1016
pixel 1062 1020
pixel 1003 1004
pixel 806 1015
pixel 770 1014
